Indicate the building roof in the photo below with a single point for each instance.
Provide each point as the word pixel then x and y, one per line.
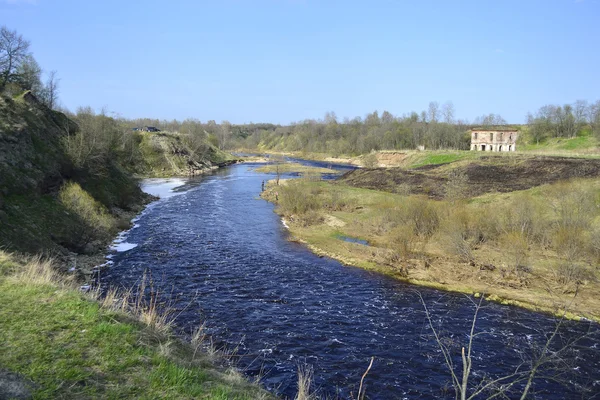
pixel 495 129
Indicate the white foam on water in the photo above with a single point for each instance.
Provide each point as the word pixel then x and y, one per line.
pixel 123 246
pixel 162 187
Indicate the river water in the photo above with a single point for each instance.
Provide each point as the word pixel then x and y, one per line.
pixel 221 255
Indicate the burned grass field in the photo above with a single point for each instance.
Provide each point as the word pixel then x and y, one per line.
pixel 488 174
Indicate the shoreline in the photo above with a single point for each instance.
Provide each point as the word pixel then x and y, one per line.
pixel 489 296
pixel 503 296
pixel 86 267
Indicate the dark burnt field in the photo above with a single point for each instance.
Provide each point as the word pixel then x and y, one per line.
pixel 485 175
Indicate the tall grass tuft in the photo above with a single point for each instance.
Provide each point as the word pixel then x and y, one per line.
pixel 305 378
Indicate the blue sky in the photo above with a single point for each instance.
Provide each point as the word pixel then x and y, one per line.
pixel 281 61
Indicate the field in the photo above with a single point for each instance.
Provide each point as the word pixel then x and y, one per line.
pixel 524 232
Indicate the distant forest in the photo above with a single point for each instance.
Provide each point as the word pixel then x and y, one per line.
pixel 436 128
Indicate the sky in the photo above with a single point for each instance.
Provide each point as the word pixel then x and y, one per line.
pixel 282 61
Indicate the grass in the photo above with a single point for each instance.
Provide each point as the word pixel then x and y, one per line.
pixel 420 159
pixel 587 145
pixel 511 246
pixel 294 168
pixel 71 346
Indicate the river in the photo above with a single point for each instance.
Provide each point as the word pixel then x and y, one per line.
pixel 222 256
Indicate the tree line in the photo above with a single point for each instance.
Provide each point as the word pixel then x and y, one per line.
pixel 20 71
pixel 435 128
pixel 568 121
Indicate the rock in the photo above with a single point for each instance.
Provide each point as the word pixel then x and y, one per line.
pixel 524 268
pixel 14 386
pixel 92 248
pixel 487 267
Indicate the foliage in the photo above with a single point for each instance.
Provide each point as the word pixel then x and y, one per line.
pixel 20 71
pixel 98 223
pixel 550 232
pixel 70 346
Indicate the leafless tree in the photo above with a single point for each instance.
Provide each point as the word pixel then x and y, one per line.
pixel 50 91
pixel 547 361
pixel 448 112
pixel 13 51
pixel 433 113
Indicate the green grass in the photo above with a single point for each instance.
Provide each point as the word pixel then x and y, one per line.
pixel 294 167
pixel 72 347
pixel 416 159
pixel 583 143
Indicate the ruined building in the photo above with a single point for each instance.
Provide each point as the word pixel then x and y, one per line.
pixel 494 140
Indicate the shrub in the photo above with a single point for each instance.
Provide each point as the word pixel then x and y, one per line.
pixel 336 201
pixel 525 215
pixel 370 160
pixel 457 185
pixel 569 241
pixel 298 197
pixel 574 204
pixel 99 224
pixel 454 234
pixel 516 249
pixel 567 273
pixel 403 242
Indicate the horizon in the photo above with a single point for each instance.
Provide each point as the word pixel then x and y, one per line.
pixel 289 61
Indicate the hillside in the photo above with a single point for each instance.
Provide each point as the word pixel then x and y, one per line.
pixel 68 187
pixel 164 154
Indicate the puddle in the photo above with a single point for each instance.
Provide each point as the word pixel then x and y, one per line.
pixel 352 240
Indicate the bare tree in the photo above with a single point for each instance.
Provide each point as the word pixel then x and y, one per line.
pixel 13 50
pixel 448 112
pixel 433 113
pixel 545 359
pixel 50 91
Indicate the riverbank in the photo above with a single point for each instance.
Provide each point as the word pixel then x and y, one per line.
pixel 517 248
pixel 60 342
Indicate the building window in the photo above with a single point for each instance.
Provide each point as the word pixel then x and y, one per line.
pixel 475 136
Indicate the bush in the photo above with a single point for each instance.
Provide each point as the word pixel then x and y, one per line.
pixel 526 215
pixel 370 160
pixel 457 186
pixel 298 197
pixel 568 273
pixel 403 242
pixel 515 248
pixel 454 234
pixel 99 224
pixel 336 201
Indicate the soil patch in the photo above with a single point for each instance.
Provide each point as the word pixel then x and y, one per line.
pixel 14 386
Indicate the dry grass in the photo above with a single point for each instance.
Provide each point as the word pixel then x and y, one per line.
pixel 71 346
pixel 532 247
pixel 305 377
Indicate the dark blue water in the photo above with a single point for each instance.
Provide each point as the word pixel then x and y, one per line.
pixel 222 255
pixel 353 240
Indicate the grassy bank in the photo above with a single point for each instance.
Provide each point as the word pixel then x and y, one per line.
pixel 293 168
pixel 65 344
pixel 534 248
